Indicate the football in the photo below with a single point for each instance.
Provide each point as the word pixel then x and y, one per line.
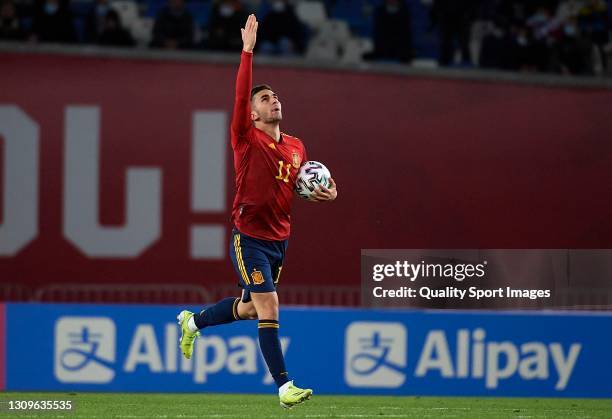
pixel 311 175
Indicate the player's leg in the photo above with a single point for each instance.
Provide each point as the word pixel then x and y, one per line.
pixel 265 300
pixel 228 310
pixel 253 259
pixel 217 314
pixel 225 311
pixel 266 305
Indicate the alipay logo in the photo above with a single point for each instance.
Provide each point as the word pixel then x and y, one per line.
pixel 84 349
pixel 375 354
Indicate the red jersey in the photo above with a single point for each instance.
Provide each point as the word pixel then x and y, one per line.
pixel 266 170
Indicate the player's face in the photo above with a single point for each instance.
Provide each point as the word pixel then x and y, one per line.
pixel 266 107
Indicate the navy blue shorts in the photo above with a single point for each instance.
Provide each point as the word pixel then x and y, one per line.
pixel 257 262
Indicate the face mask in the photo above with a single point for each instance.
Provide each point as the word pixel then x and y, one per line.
pixel 570 30
pixel 278 6
pixel 51 8
pixel 226 10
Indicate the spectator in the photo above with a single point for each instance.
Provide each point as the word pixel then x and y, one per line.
pixel 281 30
pixel 522 53
pixel 595 25
pixel 496 38
pixel 574 50
pixel 113 33
pixel 454 19
pixel 392 32
pixel 571 50
pixel 223 34
pixel 540 31
pixel 94 21
pixel 173 27
pixel 10 28
pixel 494 47
pixel 53 22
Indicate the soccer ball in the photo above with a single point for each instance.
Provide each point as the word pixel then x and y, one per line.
pixel 311 175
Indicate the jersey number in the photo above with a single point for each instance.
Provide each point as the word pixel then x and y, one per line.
pixel 282 165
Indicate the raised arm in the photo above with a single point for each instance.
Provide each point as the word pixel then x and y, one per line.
pixel 241 118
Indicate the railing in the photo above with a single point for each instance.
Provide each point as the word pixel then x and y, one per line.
pixel 562 299
pixel 604 81
pixel 171 294
pixel 122 293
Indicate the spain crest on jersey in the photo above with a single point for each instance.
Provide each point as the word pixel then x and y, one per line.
pixel 296 159
pixel 257 277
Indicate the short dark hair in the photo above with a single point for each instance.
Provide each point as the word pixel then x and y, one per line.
pixel 258 89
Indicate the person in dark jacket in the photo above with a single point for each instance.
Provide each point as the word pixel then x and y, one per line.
pixel 52 22
pixel 113 34
pixel 392 32
pixel 281 30
pixel 454 20
pixel 95 19
pixel 223 31
pixel 174 27
pixel 10 28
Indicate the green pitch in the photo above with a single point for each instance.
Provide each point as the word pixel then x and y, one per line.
pixel 104 405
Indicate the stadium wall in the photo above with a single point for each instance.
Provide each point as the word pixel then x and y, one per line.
pixel 118 170
pixel 336 351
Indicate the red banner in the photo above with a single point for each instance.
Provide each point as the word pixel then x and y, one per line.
pixel 119 170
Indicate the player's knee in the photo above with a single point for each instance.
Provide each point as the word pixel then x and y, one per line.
pixel 267 308
pixel 266 304
pixel 247 311
pixel 269 312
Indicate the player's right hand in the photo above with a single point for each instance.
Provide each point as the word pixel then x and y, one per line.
pixel 249 34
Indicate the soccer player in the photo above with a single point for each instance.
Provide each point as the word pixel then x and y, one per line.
pixel 266 163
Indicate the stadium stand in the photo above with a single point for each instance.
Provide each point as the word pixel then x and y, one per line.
pixel 556 36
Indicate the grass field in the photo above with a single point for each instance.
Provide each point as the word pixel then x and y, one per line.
pixel 104 405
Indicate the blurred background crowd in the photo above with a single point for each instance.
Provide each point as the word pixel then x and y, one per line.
pixel 553 36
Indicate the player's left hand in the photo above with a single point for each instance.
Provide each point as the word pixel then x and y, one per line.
pixel 322 194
